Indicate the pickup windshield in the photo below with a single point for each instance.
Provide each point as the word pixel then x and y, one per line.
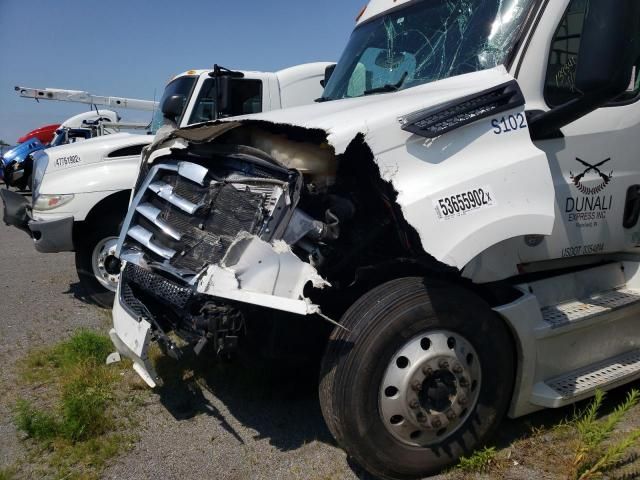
pixel 427 41
pixel 245 97
pixel 180 86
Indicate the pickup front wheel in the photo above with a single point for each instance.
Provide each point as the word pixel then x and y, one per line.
pixel 423 375
pixel 96 263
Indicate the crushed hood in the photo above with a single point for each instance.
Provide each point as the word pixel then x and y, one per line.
pixel 424 173
pixel 343 119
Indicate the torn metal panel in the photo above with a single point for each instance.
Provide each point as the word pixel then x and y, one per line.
pixel 169 137
pixel 256 272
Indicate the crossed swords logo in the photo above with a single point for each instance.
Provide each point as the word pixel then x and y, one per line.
pixel 606 179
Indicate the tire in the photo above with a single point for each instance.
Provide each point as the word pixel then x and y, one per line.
pixel 97 239
pixel 361 364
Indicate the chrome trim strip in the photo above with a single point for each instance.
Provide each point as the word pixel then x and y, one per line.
pixel 165 191
pixel 152 214
pixel 144 236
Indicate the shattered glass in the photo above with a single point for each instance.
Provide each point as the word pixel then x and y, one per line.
pixel 427 41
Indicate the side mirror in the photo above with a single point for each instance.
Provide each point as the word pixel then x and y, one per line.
pixel 173 106
pixel 607 54
pixel 327 75
pixel 224 93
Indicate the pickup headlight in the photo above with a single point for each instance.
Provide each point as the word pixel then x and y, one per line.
pixel 40 163
pixel 49 202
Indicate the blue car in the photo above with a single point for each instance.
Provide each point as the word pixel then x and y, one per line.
pixel 14 168
pixel 16 165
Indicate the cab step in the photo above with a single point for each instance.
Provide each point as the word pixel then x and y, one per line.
pixel 595 305
pixel 578 332
pixel 582 299
pixel 582 383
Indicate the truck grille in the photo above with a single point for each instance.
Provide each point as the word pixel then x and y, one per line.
pixel 182 223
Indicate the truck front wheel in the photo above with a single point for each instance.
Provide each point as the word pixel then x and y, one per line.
pixel 422 375
pixel 97 266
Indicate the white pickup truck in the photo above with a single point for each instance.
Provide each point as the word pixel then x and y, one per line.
pixel 17 170
pixel 81 191
pixel 464 204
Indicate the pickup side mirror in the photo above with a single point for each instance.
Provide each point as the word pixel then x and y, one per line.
pixel 327 75
pixel 173 106
pixel 607 54
pixel 224 93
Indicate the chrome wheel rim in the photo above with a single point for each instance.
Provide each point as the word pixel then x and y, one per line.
pixel 103 261
pixel 430 388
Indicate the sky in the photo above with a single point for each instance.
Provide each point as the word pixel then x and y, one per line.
pixel 131 48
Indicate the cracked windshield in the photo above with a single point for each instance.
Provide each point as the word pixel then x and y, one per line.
pixel 427 41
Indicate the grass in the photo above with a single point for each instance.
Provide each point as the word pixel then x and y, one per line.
pixel 76 414
pixel 596 455
pixel 8 473
pixel 480 461
pixel 593 443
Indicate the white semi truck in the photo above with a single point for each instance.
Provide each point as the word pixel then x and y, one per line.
pixel 463 203
pixel 81 191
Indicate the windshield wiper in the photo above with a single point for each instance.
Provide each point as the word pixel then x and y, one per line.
pixel 389 87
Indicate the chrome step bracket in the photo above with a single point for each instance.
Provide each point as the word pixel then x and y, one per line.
pixel 582 383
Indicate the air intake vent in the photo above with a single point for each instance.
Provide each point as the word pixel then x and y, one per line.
pixel 436 121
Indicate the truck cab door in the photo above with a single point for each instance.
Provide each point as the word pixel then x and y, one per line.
pixel 595 162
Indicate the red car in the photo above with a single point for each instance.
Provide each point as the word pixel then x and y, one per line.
pixel 44 134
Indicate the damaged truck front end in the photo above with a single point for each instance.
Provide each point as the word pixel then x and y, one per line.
pixel 218 229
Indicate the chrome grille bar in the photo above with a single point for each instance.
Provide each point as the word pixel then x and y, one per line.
pixel 165 191
pixel 145 237
pixel 152 214
pixel 192 171
pixel 136 201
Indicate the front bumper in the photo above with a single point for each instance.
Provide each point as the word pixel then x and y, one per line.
pixel 52 236
pixel 15 210
pixel 49 236
pixel 132 338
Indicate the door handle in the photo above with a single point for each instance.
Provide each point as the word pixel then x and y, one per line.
pixel 632 207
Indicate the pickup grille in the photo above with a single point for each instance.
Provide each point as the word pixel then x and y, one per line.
pixel 181 226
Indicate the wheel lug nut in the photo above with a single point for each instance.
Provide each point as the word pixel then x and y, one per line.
pixel 416 385
pixel 436 423
pixel 428 371
pixel 422 418
pixel 462 400
pixel 457 368
pixel 443 364
pixel 451 415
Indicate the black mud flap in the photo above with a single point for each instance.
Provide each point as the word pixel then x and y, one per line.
pixel 15 210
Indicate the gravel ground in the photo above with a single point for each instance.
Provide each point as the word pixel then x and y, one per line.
pixel 243 424
pixel 39 305
pixel 223 431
